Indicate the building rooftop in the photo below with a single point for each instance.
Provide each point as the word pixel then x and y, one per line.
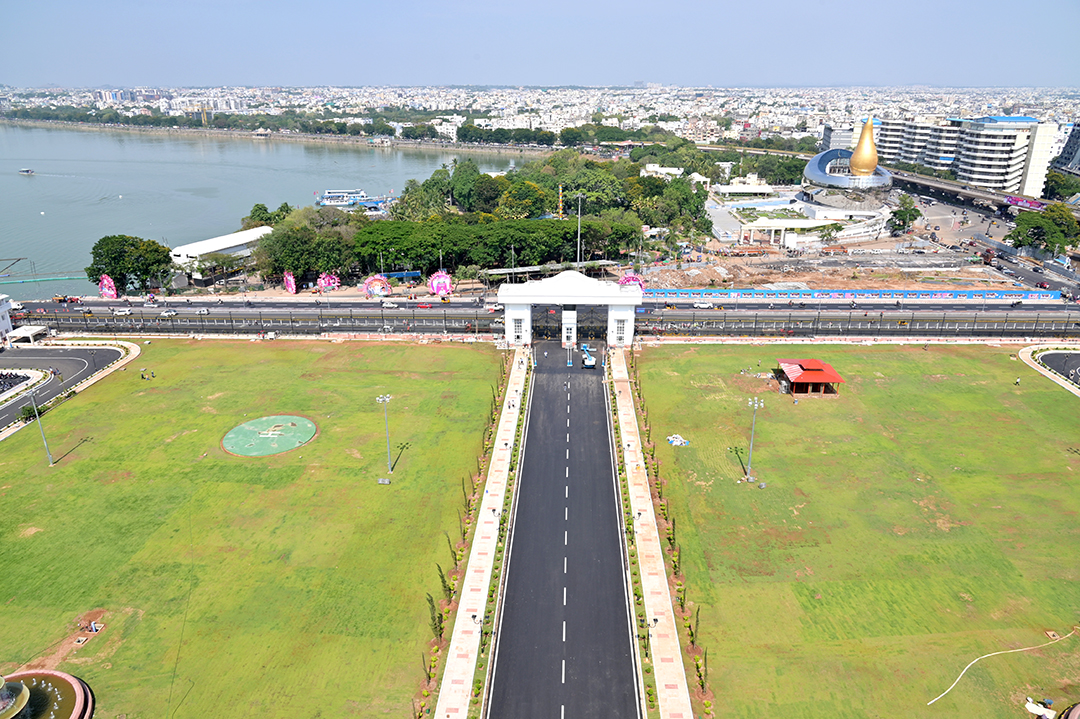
pixel 809 370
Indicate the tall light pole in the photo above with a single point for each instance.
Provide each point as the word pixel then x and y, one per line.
pixel 579 197
pixel 384 399
pixel 43 440
pixel 756 404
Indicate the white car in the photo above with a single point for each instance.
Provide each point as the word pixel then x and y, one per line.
pixel 121 312
pixel 494 308
pixel 169 313
pixel 16 306
pixel 703 305
pixel 203 311
pixel 388 305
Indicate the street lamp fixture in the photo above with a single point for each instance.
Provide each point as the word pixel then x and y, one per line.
pixel 754 404
pixel 384 399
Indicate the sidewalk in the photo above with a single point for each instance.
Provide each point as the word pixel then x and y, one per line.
pixel 454 691
pixel 671 687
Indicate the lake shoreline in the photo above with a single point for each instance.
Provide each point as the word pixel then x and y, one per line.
pixel 395 143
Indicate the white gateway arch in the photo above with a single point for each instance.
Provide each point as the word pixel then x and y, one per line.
pixel 569 289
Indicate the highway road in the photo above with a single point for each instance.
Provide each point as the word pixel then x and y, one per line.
pixel 75 365
pixel 564 648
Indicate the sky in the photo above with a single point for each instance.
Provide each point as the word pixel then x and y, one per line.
pixel 694 43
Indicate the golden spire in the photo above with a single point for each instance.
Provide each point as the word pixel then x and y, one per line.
pixel 863 160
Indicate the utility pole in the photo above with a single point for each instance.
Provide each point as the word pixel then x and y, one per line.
pixel 580 197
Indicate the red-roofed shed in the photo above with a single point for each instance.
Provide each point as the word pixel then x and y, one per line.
pixel 808 377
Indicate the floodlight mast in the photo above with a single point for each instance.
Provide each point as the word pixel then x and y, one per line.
pixel 384 400
pixel 755 404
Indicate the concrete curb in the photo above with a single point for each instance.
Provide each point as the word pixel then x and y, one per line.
pixel 464 647
pixel 672 690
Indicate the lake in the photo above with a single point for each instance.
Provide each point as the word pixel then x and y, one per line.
pixel 174 189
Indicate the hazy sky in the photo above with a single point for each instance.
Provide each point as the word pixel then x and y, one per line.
pixel 125 43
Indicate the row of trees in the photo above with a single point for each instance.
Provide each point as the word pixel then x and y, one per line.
pixel 613 191
pixel 503 136
pixel 454 244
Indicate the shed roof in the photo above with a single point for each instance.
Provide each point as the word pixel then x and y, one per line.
pixel 809 370
pixel 217 244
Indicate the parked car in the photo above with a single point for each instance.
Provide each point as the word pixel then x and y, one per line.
pixel 203 311
pixel 937 228
pixel 169 313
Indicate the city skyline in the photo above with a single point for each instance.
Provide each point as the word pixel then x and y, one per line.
pixel 841 43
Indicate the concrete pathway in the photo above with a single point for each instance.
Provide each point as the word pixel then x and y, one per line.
pixel 671 687
pixel 454 691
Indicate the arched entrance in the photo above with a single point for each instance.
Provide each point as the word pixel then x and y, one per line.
pixel 570 307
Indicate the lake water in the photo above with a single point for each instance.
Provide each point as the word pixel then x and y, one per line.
pixel 176 190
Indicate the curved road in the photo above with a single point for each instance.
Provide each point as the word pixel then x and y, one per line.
pixel 75 365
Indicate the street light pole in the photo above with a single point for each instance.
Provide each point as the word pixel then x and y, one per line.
pixel 755 404
pixel 580 197
pixel 43 440
pixel 384 399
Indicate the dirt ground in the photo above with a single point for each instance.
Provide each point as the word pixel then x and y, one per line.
pixel 746 272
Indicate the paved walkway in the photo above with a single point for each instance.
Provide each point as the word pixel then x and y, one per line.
pixel 454 692
pixel 671 686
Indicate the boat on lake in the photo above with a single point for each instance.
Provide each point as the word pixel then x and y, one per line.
pixel 26 171
pixel 341 198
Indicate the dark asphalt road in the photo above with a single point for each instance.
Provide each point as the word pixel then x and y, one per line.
pixel 1065 363
pixel 564 649
pixel 75 365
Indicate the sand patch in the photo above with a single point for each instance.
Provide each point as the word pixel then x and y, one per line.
pixel 214 396
pixel 181 434
pixel 30 531
pixel 209 409
pixel 354 453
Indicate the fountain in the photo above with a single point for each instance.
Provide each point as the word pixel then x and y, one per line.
pixel 45 694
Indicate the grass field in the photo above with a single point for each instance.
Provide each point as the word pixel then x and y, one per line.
pixel 291 585
pixel 925 517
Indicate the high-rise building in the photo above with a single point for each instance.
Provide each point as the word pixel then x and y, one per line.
pixel 1069 159
pixel 1009 153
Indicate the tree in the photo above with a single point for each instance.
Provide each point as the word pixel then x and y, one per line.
pixel 523 200
pixel 1060 186
pixel 130 262
pixel 486 192
pixel 571 136
pixel 462 183
pixel 905 214
pixel 1060 214
pixel 1035 229
pixel 828 232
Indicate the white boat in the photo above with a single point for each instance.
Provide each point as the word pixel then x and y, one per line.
pixel 26 171
pixel 341 198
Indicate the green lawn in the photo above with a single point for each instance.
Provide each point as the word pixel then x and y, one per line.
pixel 848 587
pixel 291 585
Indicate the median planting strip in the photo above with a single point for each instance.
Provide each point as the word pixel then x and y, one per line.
pixel 455 690
pixel 671 687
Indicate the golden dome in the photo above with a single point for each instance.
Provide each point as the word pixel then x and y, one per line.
pixel 863 160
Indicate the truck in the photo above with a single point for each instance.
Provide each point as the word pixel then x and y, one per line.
pixel 988 256
pixel 587 360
